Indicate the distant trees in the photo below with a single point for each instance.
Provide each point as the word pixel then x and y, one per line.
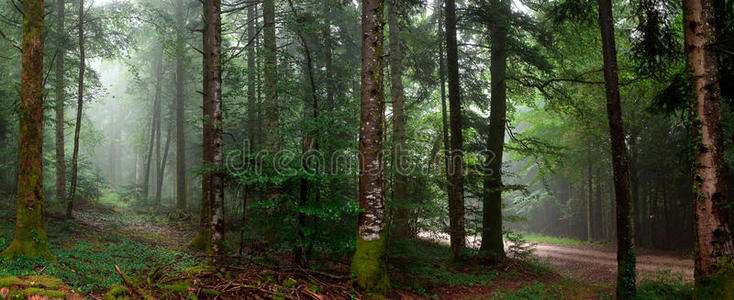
pixel 79 111
pixel 30 229
pixel 60 102
pixel 714 268
pixel 368 262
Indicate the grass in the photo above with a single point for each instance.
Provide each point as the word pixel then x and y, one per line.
pixel 545 239
pixel 86 258
pixel 665 285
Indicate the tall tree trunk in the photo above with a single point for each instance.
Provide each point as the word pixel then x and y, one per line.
pixel 60 100
pixel 79 107
pixel 442 78
pixel 456 161
pixel 153 124
pixel 271 72
pixel 400 201
pixel 213 99
pixel 161 171
pixel 368 262
pixel 589 196
pixel 714 269
pixel 492 244
pixel 625 225
pixel 30 228
pixel 180 105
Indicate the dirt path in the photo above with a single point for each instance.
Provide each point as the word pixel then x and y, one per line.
pixel 597 264
pixel 134 227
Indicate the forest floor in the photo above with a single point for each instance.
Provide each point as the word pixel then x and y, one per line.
pixel 103 242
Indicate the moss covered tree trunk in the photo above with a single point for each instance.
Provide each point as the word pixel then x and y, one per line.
pixel 60 99
pixel 30 228
pixel 492 244
pixel 400 196
pixel 456 154
pixel 368 262
pixel 620 165
pixel 714 267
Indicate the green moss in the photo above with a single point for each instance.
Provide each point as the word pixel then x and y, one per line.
pixel 178 287
pixel 10 281
pixel 198 269
pixel 42 292
pixel 368 264
pixel 209 292
pixel 44 281
pixel 720 286
pixel 202 241
pixel 117 292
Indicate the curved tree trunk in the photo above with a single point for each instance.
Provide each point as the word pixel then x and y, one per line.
pixel 368 262
pixel 620 166
pixel 714 268
pixel 30 228
pixel 79 108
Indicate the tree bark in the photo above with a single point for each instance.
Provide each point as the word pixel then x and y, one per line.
pixel 442 78
pixel 400 196
pixel 492 244
pixel 153 124
pixel 60 101
pixel 79 108
pixel 368 262
pixel 271 72
pixel 180 105
pixel 620 166
pixel 30 229
pixel 714 270
pixel 456 160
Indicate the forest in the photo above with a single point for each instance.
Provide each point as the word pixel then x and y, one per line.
pixel 366 149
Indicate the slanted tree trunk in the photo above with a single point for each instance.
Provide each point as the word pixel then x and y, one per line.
pixel 456 160
pixel 400 196
pixel 161 171
pixel 714 268
pixel 625 225
pixel 180 103
pixel 79 107
pixel 30 228
pixel 60 100
pixel 368 262
pixel 213 99
pixel 492 244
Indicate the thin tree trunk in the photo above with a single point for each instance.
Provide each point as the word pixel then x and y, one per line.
pixel 162 166
pixel 60 100
pixel 271 72
pixel 368 262
pixel 442 78
pixel 30 228
pixel 400 197
pixel 492 244
pixel 180 105
pixel 589 198
pixel 456 161
pixel 620 166
pixel 153 125
pixel 79 107
pixel 714 270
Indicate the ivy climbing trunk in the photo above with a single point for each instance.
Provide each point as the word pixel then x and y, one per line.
pixel 620 165
pixel 79 108
pixel 492 244
pixel 456 154
pixel 60 100
pixel 30 228
pixel 401 203
pixel 714 265
pixel 180 104
pixel 368 262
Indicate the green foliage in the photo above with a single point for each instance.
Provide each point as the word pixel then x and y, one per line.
pixel 665 285
pixel 536 291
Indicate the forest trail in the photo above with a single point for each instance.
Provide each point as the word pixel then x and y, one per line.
pixel 596 264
